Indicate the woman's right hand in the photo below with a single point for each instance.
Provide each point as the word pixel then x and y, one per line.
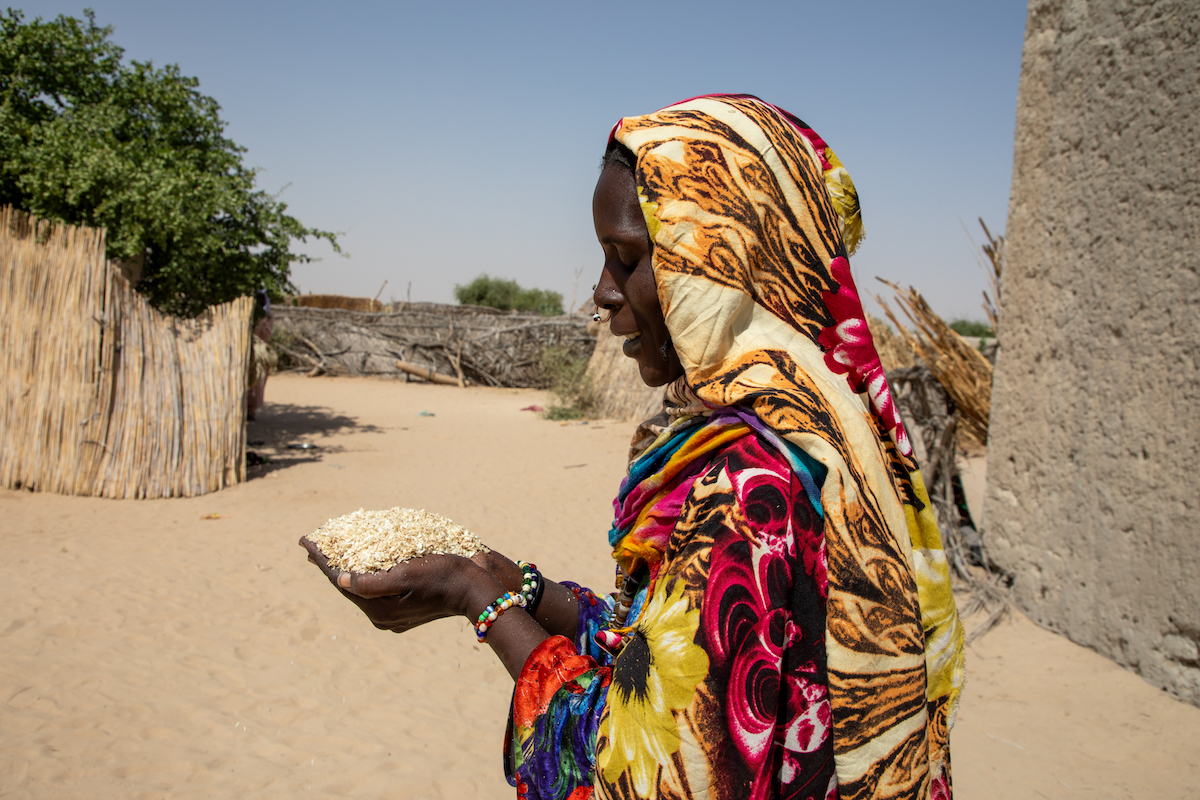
pixel 432 587
pixel 413 592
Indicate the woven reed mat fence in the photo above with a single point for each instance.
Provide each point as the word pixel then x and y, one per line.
pixel 335 301
pixel 101 394
pixel 471 343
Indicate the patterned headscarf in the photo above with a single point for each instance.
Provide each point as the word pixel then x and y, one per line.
pixel 753 218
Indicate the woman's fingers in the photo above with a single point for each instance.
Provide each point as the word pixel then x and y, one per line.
pixel 428 576
pixel 398 599
pixel 371 585
pixel 316 556
pixel 424 575
pixel 337 577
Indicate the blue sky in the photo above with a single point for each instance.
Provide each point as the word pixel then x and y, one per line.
pixel 448 139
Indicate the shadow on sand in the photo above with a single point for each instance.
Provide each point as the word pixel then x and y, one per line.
pixel 281 424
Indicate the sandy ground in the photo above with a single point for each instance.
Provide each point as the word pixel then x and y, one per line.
pixel 148 652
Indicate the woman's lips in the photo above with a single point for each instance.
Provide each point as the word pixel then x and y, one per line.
pixel 633 343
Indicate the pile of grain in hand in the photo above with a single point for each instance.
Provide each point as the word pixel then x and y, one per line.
pixel 371 541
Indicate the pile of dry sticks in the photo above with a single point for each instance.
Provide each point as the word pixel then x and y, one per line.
pixel 451 344
pixel 960 368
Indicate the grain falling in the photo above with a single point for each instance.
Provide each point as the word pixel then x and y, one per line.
pixel 372 541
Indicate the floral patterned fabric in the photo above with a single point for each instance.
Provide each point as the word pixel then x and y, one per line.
pixel 719 688
pixel 802 646
pixel 753 219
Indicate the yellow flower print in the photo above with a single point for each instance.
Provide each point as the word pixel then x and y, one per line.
pixel 650 212
pixel 655 675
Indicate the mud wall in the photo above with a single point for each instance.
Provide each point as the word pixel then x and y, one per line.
pixel 1093 500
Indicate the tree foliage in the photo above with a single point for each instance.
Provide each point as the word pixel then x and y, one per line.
pixel 88 139
pixel 507 295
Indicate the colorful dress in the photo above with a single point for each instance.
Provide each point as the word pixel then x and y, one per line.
pixel 724 656
pixel 794 634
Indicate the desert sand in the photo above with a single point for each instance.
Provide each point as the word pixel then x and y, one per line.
pixel 185 648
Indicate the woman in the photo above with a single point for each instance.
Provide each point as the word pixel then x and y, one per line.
pixel 785 626
pixel 262 357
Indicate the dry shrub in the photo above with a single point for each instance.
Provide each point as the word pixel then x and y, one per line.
pixel 960 368
pixel 894 352
pixel 566 373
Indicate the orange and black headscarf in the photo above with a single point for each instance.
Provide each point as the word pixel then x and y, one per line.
pixel 753 219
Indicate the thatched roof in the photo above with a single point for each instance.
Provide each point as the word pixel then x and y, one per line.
pixel 961 369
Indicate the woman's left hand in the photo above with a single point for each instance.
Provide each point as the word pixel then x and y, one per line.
pixel 410 593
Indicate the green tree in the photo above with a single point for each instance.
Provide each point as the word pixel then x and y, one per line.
pixel 543 301
pixel 88 139
pixel 507 295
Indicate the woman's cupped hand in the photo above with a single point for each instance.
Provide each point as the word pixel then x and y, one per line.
pixel 412 592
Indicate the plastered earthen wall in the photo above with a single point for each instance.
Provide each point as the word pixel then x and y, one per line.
pixel 1093 499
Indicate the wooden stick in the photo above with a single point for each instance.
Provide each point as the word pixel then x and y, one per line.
pixel 426 373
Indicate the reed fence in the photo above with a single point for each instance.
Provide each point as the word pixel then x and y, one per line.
pixel 469 343
pixel 102 395
pixel 335 301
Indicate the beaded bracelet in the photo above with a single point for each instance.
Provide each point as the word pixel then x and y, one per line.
pixel 532 586
pixel 493 612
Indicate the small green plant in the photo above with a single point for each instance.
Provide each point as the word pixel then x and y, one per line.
pixel 566 373
pixel 507 295
pixel 967 327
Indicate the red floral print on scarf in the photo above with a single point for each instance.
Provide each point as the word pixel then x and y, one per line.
pixel 850 349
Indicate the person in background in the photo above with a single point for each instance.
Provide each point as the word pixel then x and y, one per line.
pixel 262 357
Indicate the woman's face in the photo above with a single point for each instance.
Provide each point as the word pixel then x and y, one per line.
pixel 626 286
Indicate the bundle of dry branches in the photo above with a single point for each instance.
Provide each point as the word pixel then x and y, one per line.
pixel 994 250
pixel 959 367
pixel 470 343
pixel 894 352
